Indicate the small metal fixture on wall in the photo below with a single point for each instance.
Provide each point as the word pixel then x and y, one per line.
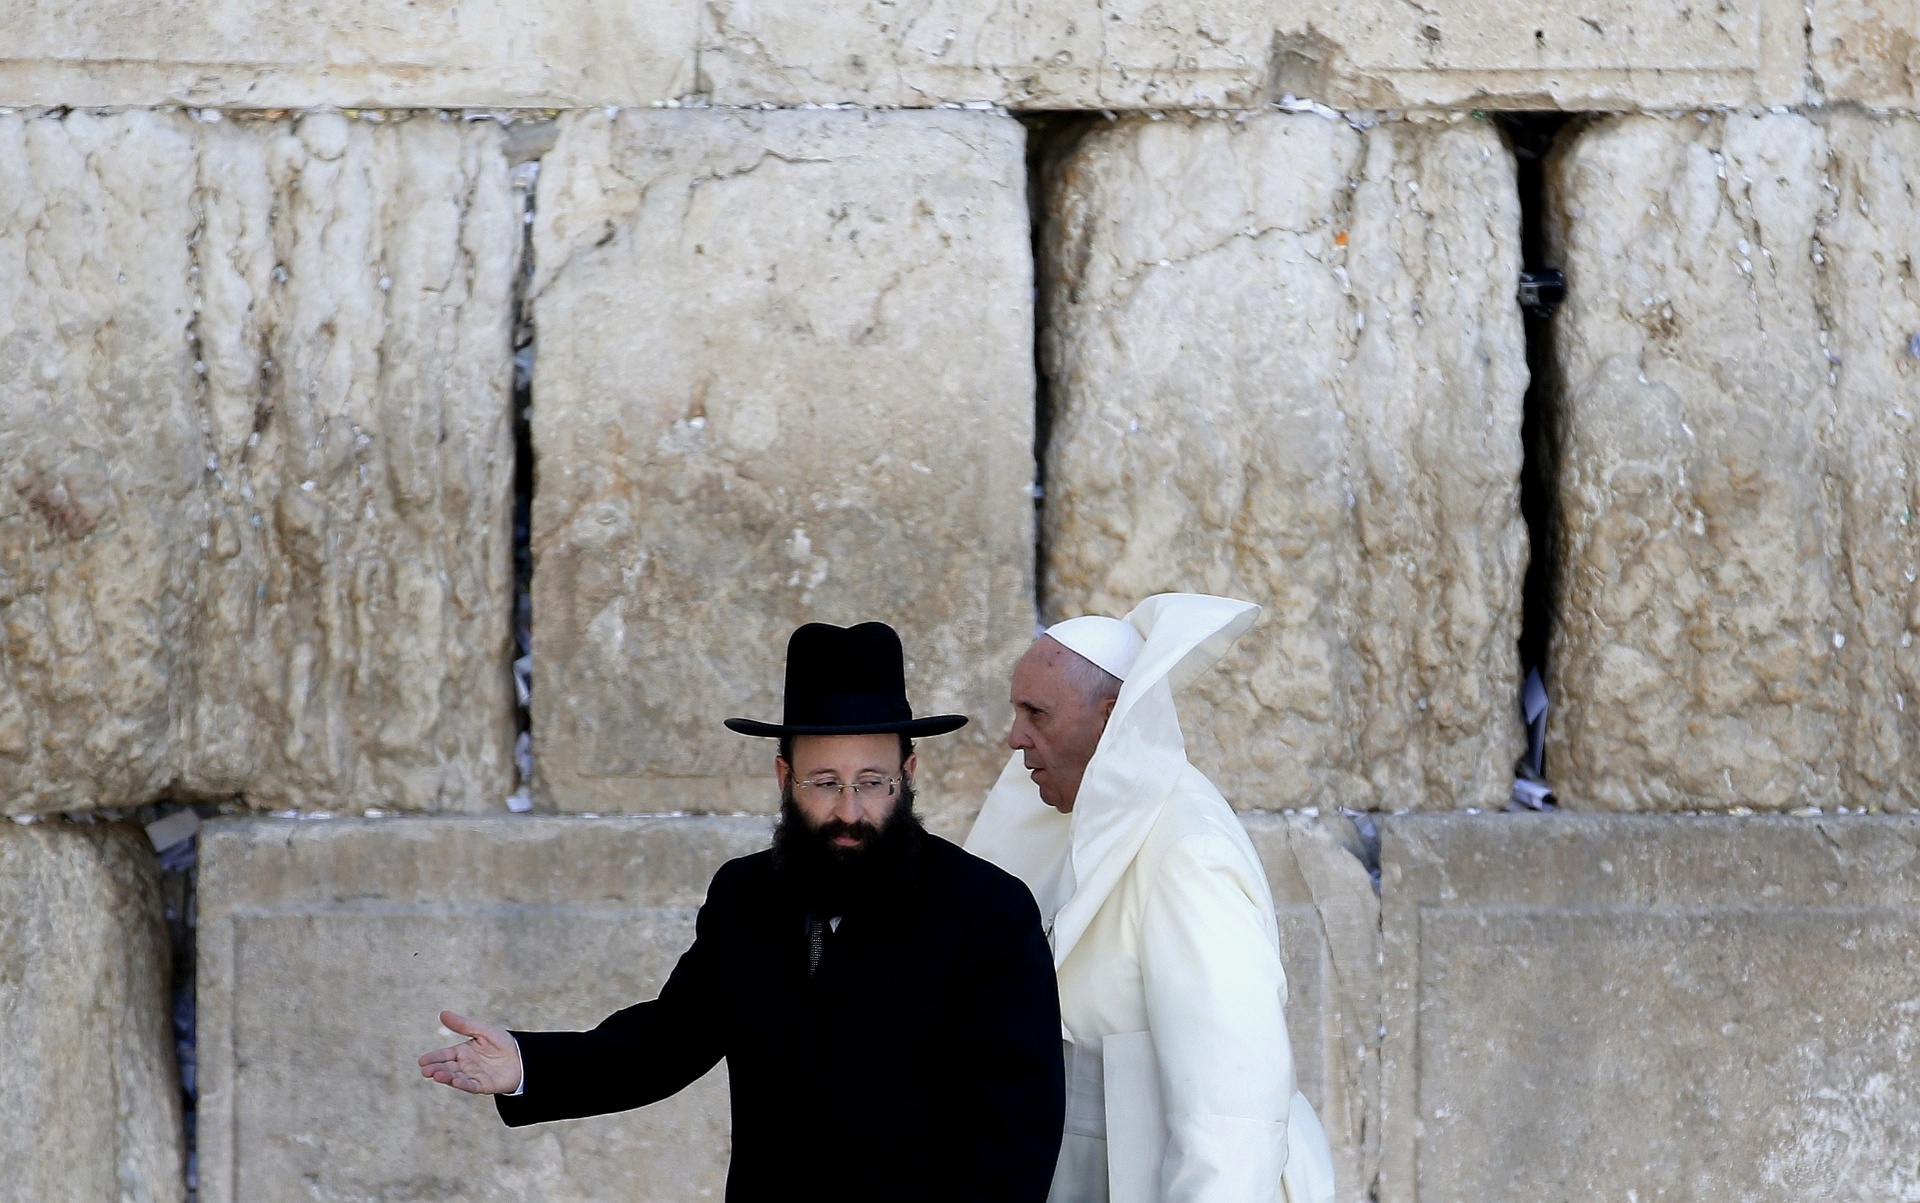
pixel 1542 290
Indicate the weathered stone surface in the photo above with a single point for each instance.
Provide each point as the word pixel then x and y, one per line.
pixel 1739 385
pixel 255 433
pixel 556 922
pixel 785 374
pixel 1286 364
pixel 1057 54
pixel 101 448
pixel 382 53
pixel 327 951
pixel 1651 1007
pixel 1330 944
pixel 1607 54
pixel 1620 54
pixel 1870 306
pixel 91 1108
pixel 356 643
pixel 1867 51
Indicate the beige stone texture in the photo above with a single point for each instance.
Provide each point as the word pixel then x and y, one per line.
pixel 1036 54
pixel 255 539
pixel 555 922
pixel 1739 384
pixel 1285 364
pixel 1651 1007
pixel 380 53
pixel 785 375
pixel 328 950
pixel 91 1108
pixel 100 443
pixel 1330 945
pixel 1481 54
pixel 1867 51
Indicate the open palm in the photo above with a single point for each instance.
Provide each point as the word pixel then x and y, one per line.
pixel 488 1062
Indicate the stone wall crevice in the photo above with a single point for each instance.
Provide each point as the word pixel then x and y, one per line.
pixel 1051 138
pixel 1532 137
pixel 527 143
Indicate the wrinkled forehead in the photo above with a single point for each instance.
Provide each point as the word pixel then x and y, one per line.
pixel 1049 669
pixel 1043 658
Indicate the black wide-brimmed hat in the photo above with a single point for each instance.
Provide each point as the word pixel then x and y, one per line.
pixel 847 681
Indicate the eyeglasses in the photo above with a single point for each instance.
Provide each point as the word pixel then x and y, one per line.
pixel 865 787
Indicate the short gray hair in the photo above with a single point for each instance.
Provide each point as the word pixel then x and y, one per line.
pixel 1093 681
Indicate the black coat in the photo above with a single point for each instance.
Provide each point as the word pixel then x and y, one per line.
pixel 920 1061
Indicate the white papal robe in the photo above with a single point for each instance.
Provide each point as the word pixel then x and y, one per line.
pixel 1180 1085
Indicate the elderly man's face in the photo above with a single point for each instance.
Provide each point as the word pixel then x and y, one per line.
pixel 1057 723
pixel 847 818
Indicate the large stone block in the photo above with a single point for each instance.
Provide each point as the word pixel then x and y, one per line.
pixel 328 949
pixel 1866 51
pixel 91 1108
pixel 256 539
pixel 1739 384
pixel 1038 54
pixel 382 53
pixel 1286 364
pixel 1330 945
pixel 101 446
pixel 1650 1007
pixel 1060 54
pixel 785 375
pixel 311 1091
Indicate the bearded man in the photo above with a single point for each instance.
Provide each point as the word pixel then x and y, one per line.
pixel 1179 1072
pixel 884 1001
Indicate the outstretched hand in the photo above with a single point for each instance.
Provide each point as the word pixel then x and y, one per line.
pixel 487 1063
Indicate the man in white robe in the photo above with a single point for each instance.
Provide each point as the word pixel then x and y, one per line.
pixel 1180 1081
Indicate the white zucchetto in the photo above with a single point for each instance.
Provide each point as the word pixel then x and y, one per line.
pixel 1108 642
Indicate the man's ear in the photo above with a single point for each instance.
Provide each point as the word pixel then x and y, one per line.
pixel 910 765
pixel 1106 709
pixel 782 771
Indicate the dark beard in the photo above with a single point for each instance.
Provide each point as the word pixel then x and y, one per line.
pixel 832 879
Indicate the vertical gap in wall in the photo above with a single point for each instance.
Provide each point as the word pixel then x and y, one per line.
pixel 173 826
pixel 1050 138
pixel 179 892
pixel 527 142
pixel 1532 136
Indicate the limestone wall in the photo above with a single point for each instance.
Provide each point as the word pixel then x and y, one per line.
pixel 91 1108
pixel 536 923
pixel 333 342
pixel 1629 1007
pixel 255 431
pixel 1740 386
pixel 1286 364
pixel 785 374
pixel 260 443
pixel 548 923
pixel 1209 54
pixel 1039 54
pixel 388 54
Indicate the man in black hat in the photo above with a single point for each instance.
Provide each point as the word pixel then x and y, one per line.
pixel 885 1001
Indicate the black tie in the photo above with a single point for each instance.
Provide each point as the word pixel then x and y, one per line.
pixel 816 941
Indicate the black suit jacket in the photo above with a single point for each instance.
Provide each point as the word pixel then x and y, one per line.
pixel 921 1061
